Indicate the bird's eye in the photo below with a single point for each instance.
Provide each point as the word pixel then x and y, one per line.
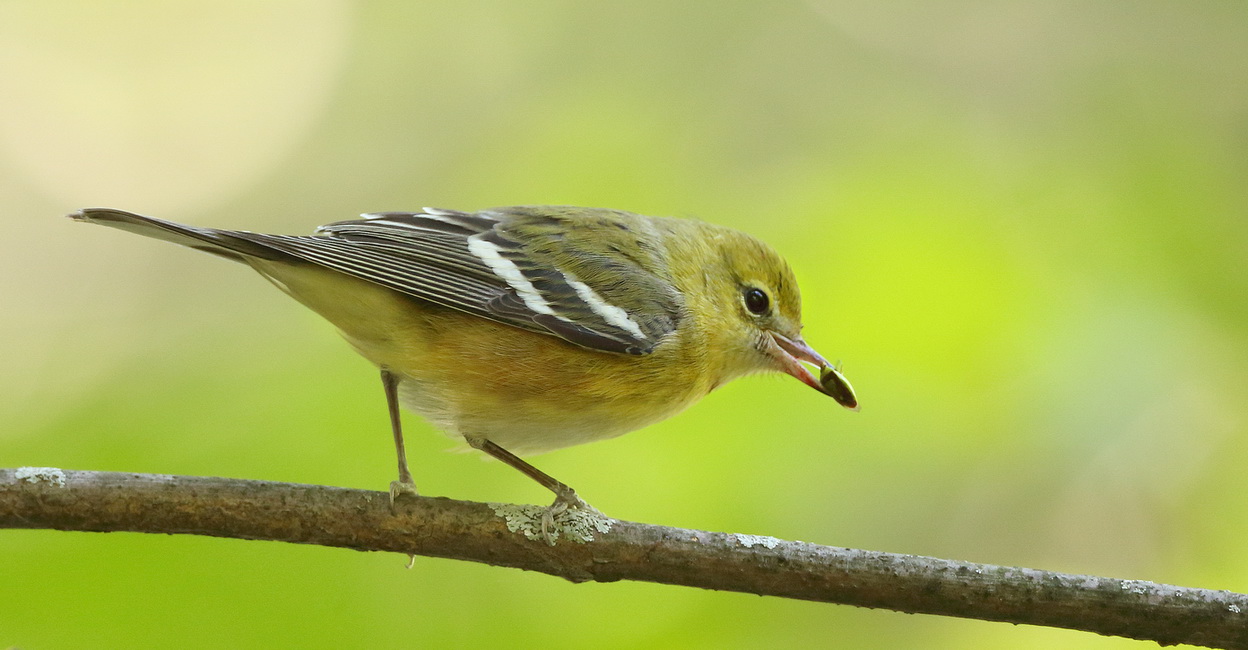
pixel 756 301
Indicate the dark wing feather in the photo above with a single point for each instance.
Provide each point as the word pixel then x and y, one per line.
pixel 503 265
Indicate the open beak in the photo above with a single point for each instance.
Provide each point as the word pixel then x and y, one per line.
pixel 792 352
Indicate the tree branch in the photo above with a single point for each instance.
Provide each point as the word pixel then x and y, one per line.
pixel 504 536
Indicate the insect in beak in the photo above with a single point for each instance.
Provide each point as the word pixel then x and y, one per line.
pixel 790 353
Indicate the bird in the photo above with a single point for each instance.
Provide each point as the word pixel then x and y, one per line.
pixel 525 329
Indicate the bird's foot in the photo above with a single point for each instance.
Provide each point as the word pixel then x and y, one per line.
pixel 401 487
pixel 565 499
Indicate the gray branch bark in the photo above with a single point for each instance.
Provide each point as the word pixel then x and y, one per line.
pixel 504 536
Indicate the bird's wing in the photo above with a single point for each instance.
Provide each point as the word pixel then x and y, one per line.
pixel 511 265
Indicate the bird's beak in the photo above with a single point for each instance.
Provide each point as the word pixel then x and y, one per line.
pixel 790 353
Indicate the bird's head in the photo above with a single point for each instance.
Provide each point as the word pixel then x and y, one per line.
pixel 762 308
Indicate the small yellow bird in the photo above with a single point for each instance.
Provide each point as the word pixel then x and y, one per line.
pixel 527 329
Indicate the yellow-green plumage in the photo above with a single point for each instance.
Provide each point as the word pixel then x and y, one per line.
pixel 531 392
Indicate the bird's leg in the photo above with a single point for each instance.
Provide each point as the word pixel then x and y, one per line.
pixel 565 497
pixel 390 382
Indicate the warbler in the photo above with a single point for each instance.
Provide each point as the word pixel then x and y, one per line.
pixel 531 328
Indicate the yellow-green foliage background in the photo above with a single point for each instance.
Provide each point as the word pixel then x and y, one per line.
pixel 1022 226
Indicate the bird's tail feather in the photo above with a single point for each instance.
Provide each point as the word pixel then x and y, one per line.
pixel 210 240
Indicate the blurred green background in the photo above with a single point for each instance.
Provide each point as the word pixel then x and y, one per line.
pixel 1022 226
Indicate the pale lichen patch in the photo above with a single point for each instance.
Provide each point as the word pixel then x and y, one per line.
pixel 52 475
pixel 576 525
pixel 750 541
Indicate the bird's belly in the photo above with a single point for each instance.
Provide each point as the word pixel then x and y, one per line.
pixel 534 419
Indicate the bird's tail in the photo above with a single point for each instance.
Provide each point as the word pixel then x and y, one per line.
pixel 209 240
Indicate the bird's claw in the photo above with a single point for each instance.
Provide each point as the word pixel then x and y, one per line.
pixel 399 487
pixel 564 500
